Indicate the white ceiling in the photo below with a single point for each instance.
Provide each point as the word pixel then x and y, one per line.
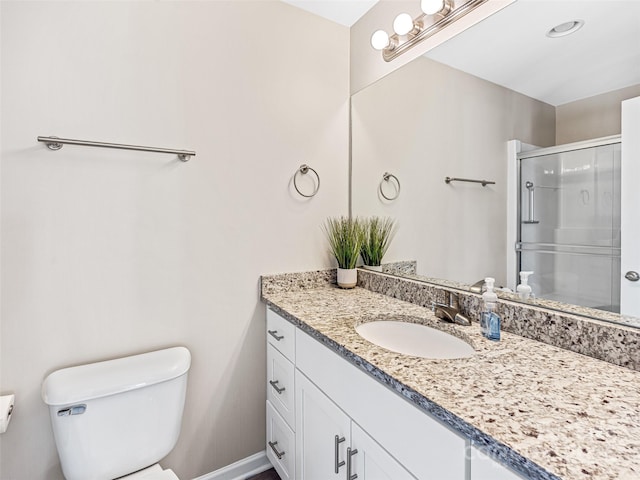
pixel 511 48
pixel 344 12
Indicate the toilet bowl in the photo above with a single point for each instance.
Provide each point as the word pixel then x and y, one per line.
pixel 113 419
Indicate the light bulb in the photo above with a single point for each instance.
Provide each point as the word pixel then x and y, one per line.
pixel 380 40
pixel 403 24
pixel 431 7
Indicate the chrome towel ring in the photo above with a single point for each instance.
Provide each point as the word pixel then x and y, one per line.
pixel 387 178
pixel 304 169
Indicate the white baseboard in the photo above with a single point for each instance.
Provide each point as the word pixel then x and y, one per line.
pixel 240 470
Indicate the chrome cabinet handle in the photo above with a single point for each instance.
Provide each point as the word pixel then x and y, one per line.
pixel 338 464
pixel 275 386
pixel 275 450
pixel 351 453
pixel 632 276
pixel 274 334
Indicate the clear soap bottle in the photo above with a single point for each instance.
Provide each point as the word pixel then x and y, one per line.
pixel 524 289
pixel 489 319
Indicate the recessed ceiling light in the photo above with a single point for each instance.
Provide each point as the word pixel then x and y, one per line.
pixel 566 28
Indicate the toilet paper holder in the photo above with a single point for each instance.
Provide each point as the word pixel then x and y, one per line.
pixel 6 409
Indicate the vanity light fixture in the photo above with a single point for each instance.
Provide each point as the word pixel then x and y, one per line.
pixel 431 7
pixel 408 32
pixel 566 28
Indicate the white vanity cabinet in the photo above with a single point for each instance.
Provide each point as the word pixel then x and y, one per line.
pixel 281 441
pixel 343 424
pixel 330 445
pixel 484 468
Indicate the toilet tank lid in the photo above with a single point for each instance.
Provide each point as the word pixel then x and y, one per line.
pixel 95 380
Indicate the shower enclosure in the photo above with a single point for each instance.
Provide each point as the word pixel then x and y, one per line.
pixel 569 222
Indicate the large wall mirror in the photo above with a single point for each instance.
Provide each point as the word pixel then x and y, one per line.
pixel 512 102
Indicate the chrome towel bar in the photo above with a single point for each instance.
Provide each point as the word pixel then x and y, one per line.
pixel 484 183
pixel 55 143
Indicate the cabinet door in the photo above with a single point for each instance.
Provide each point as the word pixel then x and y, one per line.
pixel 370 461
pixel 485 468
pixel 322 434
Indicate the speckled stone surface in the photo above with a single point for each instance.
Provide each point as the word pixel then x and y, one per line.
pixel 535 302
pixel 546 412
pixel 283 282
pixel 613 343
pixel 407 267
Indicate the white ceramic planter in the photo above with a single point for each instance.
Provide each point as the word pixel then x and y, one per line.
pixel 347 277
pixel 374 268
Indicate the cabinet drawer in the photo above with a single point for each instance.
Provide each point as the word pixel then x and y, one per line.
pixel 281 334
pixel 280 384
pixel 280 444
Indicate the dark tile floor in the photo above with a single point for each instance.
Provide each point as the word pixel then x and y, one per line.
pixel 268 475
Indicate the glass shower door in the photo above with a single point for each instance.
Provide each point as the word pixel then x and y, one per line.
pixel 569 232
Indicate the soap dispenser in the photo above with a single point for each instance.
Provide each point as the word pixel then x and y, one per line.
pixel 524 289
pixel 489 319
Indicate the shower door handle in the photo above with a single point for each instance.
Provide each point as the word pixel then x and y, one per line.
pixel 632 276
pixel 530 186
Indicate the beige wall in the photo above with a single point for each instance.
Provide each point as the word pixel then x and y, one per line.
pixel 107 253
pixel 592 117
pixel 425 122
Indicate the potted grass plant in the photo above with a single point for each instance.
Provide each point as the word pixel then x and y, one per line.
pixel 345 237
pixel 377 233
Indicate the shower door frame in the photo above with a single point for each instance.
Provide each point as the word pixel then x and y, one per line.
pixel 518 151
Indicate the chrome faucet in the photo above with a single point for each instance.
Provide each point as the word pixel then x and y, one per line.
pixel 477 287
pixel 450 311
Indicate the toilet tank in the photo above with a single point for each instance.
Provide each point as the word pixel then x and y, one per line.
pixel 115 417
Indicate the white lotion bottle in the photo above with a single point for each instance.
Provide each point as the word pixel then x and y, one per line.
pixel 524 289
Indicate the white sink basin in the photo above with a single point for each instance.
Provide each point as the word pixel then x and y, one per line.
pixel 414 339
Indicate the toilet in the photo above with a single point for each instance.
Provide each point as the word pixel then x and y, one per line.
pixel 118 418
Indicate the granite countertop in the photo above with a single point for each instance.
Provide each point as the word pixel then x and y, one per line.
pixel 547 412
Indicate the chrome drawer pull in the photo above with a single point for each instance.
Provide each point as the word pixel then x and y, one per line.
pixel 274 334
pixel 275 450
pixel 351 453
pixel 338 464
pixel 275 386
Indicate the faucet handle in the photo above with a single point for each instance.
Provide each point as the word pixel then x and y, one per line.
pixel 451 299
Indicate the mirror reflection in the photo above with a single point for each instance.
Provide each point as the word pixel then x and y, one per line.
pixel 539 116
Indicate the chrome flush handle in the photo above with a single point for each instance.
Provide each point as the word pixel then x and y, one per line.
pixel 632 276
